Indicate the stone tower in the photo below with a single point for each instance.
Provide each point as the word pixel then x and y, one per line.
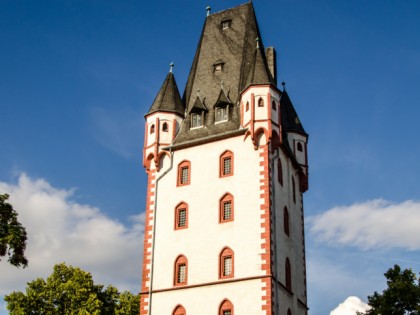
pixel 227 167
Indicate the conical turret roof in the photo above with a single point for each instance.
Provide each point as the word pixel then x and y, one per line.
pixel 168 99
pixel 259 73
pixel 289 118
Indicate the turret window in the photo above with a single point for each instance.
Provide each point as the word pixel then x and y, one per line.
pixel 286 221
pixel 293 189
pixel 179 310
pixel 288 273
pixel 260 102
pixel 247 106
pixel 299 147
pixel 152 129
pixel 226 164
pixel 165 127
pixel 196 120
pixel 279 172
pixel 274 105
pixel 222 114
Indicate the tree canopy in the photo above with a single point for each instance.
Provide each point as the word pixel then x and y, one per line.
pixel 71 291
pixel 401 297
pixel 12 234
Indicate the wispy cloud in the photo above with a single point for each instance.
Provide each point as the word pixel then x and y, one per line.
pixel 118 131
pixel 371 224
pixel 350 306
pixel 62 230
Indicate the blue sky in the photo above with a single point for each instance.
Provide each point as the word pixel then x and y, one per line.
pixel 76 78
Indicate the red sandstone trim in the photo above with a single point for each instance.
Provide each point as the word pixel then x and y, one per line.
pixel 269 108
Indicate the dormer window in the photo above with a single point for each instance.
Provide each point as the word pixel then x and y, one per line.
pixel 222 114
pixel 226 24
pixel 196 120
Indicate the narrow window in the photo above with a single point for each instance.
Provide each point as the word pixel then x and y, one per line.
pixel 181 270
pixel 218 68
pixel 226 261
pixel 289 312
pixel 226 24
pixel 279 172
pixel 260 102
pixel 152 129
pixel 196 120
pixel 179 310
pixel 184 170
pixel 286 221
pixel 288 275
pixel 293 189
pixel 226 308
pixel 226 208
pixel 226 164
pixel 273 104
pixel 299 147
pixel 221 114
pixel 247 106
pixel 181 216
pixel 165 127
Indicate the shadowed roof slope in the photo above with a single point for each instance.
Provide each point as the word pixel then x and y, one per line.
pixel 289 118
pixel 168 99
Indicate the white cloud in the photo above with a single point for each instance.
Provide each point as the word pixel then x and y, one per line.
pixel 61 230
pixel 350 306
pixel 374 223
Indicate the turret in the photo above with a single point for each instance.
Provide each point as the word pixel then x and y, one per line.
pixel 294 135
pixel 162 121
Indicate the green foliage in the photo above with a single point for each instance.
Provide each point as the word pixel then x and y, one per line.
pixel 402 297
pixel 71 291
pixel 12 234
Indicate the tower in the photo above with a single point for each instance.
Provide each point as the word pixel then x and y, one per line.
pixel 224 228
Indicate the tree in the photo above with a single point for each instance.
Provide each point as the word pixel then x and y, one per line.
pixel 71 291
pixel 401 297
pixel 12 234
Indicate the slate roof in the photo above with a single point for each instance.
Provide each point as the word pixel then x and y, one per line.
pixel 235 49
pixel 168 99
pixel 289 118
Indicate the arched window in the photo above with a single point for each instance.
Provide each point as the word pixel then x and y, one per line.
pixel 152 129
pixel 179 310
pixel 247 106
pixel 260 102
pixel 226 207
pixel 226 263
pixel 181 270
pixel 165 127
pixel 226 164
pixel 288 273
pixel 279 172
pixel 286 221
pixel 293 189
pixel 299 147
pixel 184 173
pixel 226 308
pixel 181 216
pixel 274 105
pixel 289 312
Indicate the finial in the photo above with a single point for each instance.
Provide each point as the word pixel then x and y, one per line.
pixel 258 42
pixel 284 86
pixel 208 10
pixel 171 67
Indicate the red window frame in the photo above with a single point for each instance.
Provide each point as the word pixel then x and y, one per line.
pixel 179 310
pixel 225 156
pixel 226 199
pixel 225 306
pixel 225 254
pixel 181 166
pixel 181 206
pixel 179 262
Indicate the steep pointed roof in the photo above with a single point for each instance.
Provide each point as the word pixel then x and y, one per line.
pixel 223 99
pixel 224 54
pixel 198 106
pixel 259 72
pixel 168 99
pixel 289 118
